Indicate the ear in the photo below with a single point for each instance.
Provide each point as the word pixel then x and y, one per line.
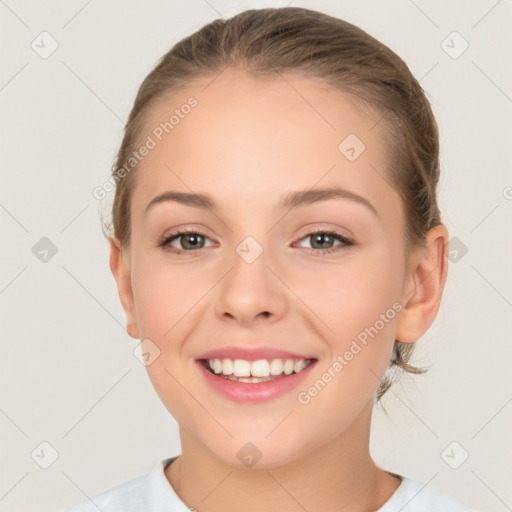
pixel 121 270
pixel 423 286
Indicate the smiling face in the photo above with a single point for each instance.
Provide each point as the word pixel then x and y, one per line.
pixel 255 274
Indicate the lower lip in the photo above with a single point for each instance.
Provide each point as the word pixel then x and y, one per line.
pixel 249 392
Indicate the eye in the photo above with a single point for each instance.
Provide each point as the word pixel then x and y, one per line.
pixel 190 241
pixel 326 239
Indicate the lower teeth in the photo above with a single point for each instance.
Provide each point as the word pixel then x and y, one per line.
pixel 250 380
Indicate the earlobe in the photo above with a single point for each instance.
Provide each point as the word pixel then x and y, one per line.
pixel 424 286
pixel 121 272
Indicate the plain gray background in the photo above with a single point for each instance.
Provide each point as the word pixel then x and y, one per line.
pixel 68 373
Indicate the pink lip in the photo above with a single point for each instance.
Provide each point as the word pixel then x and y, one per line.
pixel 251 354
pixel 254 392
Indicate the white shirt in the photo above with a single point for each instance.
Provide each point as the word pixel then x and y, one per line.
pixel 152 492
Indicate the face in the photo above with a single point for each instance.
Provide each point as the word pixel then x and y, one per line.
pixel 312 278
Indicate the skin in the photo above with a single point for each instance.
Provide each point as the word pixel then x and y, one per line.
pixel 247 143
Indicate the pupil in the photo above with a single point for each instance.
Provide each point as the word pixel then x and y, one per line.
pixel 193 237
pixel 323 236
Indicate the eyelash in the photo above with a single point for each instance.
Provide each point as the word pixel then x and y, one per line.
pixel 164 243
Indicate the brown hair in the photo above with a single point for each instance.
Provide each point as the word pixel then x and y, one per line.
pixel 298 40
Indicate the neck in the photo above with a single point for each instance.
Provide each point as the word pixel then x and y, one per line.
pixel 338 476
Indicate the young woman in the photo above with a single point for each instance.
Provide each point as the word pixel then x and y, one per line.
pixel 277 246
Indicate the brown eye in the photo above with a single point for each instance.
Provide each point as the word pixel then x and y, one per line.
pixel 189 241
pixel 323 242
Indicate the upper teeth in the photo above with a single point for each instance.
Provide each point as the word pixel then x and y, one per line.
pixel 259 368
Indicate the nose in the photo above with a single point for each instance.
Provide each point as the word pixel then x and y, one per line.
pixel 251 293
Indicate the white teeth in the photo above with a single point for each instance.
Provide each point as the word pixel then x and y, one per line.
pixel 288 366
pixel 217 366
pixel 260 368
pixel 299 366
pixel 227 367
pixel 276 367
pixel 241 368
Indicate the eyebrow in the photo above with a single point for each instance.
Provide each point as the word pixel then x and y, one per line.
pixel 291 200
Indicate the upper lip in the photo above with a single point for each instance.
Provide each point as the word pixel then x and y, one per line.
pixel 251 354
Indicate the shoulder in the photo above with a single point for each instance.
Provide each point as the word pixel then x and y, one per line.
pixel 150 492
pixel 414 496
pixel 126 497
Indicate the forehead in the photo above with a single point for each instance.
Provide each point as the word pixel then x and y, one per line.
pixel 248 137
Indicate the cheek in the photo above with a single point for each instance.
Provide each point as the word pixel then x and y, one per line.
pixel 163 296
pixel 168 308
pixel 164 299
pixel 360 306
pixel 351 296
pixel 359 303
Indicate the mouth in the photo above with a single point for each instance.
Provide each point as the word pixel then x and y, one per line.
pixel 255 372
